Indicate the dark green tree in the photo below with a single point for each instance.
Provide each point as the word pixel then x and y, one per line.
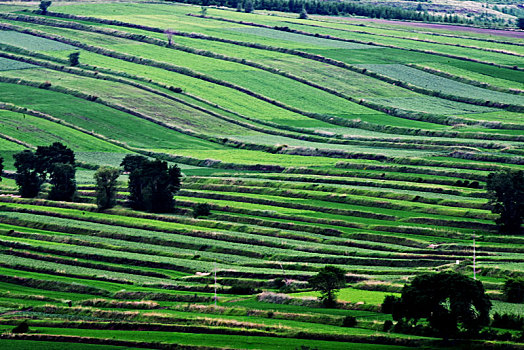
pixel 133 164
pixel 303 13
pixel 1 167
pixel 27 177
pixel 328 282
pixel 74 59
pixel 506 194
pixel 448 300
pixel 33 169
pixel 152 183
pixel 106 183
pixel 48 155
pixel 514 290
pixel 201 209
pixel 58 162
pixel 63 182
pixel 249 7
pixel 44 5
pixel 239 6
pixel 520 23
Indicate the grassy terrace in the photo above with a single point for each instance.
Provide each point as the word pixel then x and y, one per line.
pixel 321 141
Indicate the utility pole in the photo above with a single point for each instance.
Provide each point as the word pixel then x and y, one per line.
pixel 215 270
pixel 474 260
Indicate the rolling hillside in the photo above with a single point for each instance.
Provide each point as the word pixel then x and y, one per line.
pixel 330 140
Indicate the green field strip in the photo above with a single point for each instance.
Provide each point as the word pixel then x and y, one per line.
pixel 279 139
pixel 428 100
pixel 433 82
pixel 51 345
pixel 476 78
pixel 50 267
pixel 406 44
pixel 132 246
pixel 98 118
pixel 417 47
pixel 273 60
pixel 7 64
pixel 433 37
pixel 36 44
pixel 322 102
pixel 321 202
pixel 247 125
pixel 129 246
pixel 361 186
pixel 298 214
pixel 162 109
pixel 39 132
pixel 129 233
pixel 330 194
pixel 394 188
pixel 266 249
pixel 236 342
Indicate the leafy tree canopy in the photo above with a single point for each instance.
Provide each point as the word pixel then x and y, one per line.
pixel 44 6
pixel 33 168
pixel 506 194
pixel 152 183
pixel 328 282
pixel 514 290
pixel 448 300
pixel 106 182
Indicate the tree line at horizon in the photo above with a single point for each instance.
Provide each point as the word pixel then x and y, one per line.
pixel 331 8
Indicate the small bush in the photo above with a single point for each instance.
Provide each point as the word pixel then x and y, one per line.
pixel 388 324
pixel 21 328
pixel 201 209
pixel 349 321
pixel 514 290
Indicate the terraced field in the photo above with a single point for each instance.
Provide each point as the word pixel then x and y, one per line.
pixel 315 142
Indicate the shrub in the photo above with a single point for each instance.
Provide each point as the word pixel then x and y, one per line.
pixel 349 321
pixel 514 290
pixel 21 328
pixel 201 209
pixel 507 321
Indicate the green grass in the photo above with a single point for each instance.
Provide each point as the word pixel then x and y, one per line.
pixel 444 85
pixel 353 295
pixel 33 345
pixel 39 132
pixel 7 64
pixel 100 119
pixel 30 42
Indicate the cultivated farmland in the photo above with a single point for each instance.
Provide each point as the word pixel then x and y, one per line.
pixel 314 142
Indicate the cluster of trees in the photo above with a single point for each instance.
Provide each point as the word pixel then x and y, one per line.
pixel 56 162
pixel 152 183
pixel 330 8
